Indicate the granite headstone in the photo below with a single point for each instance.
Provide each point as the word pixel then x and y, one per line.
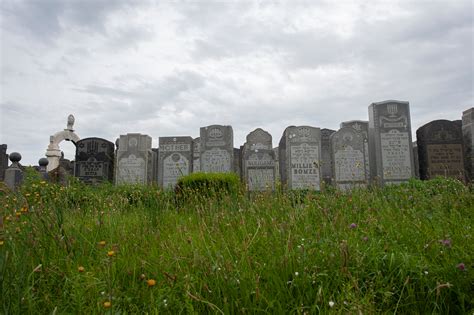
pixel 196 155
pixel 175 160
pixel 300 155
pixel 326 156
pixel 94 160
pixel 361 126
pixel 134 159
pixel 468 137
pixel 217 149
pixel 3 161
pixel 348 156
pixel 390 142
pixel 440 149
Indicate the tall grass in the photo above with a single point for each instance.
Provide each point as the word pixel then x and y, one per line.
pixel 88 250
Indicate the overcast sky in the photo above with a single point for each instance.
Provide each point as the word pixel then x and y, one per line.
pixel 166 69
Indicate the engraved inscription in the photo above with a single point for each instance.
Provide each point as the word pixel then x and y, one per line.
pixel 216 160
pixel 445 160
pixel 174 166
pixel 349 165
pixel 304 166
pixel 131 170
pixel 260 179
pixel 396 162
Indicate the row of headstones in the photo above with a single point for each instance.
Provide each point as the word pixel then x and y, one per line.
pixel 360 152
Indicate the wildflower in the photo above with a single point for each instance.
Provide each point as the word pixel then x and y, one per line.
pixel 107 304
pixel 1 243
pixel 331 303
pixel 151 282
pixel 24 209
pixel 110 253
pixel 142 276
pixel 353 226
pixel 81 269
pixel 102 243
pixel 461 266
pixel 296 273
pixel 365 238
pixel 18 214
pixel 446 242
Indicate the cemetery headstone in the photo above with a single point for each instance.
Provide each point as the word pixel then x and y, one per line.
pixel 468 137
pixel 196 155
pixel 440 149
pixel 259 161
pixel 416 161
pixel 14 174
pixel 300 154
pixel 155 165
pixel 94 160
pixel 175 159
pixel 3 161
pixel 277 164
pixel 217 149
pixel 361 126
pixel 237 165
pixel 348 158
pixel 42 169
pixel 390 142
pixel 134 161
pixel 326 156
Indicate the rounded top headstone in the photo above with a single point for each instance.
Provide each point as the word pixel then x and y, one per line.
pixel 15 157
pixel 43 162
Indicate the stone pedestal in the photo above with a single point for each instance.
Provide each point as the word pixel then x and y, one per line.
pixel 14 174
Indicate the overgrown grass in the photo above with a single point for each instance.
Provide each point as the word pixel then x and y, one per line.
pixel 401 249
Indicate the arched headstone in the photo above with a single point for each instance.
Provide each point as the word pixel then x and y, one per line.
pixel 53 152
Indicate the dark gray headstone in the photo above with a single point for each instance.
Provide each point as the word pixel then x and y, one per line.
pixel 155 165
pixel 3 161
pixel 300 155
pixel 468 137
pixel 14 173
pixel 440 149
pixel 237 165
pixel 42 168
pixel 94 160
pixel 134 159
pixel 259 161
pixel 348 156
pixel 196 155
pixel 217 149
pixel 326 156
pixel 175 159
pixel 390 142
pixel 416 161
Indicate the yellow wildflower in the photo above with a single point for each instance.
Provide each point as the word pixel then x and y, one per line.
pixel 110 253
pixel 102 243
pixel 81 269
pixel 151 282
pixel 107 304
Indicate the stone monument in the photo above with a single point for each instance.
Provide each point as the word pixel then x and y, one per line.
pixel 175 160
pixel 326 156
pixel 134 159
pixel 42 169
pixel 416 161
pixel 468 136
pixel 94 160
pixel 440 149
pixel 3 161
pixel 53 153
pixel 14 174
pixel 348 158
pixel 259 161
pixel 361 126
pixel 300 155
pixel 390 142
pixel 156 157
pixel 217 149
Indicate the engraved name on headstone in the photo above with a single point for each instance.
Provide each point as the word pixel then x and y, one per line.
pixel 348 156
pixel 300 154
pixel 175 159
pixel 259 161
pixel 390 142
pixel 440 149
pixel 134 159
pixel 217 149
pixel 94 160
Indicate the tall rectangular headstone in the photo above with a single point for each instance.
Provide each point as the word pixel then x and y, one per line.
pixel 196 155
pixel 94 160
pixel 468 137
pixel 348 158
pixel 134 159
pixel 217 149
pixel 390 142
pixel 175 160
pixel 300 157
pixel 440 149
pixel 326 156
pixel 361 126
pixel 3 161
pixel 259 161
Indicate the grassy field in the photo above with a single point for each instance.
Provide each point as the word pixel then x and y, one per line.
pixel 88 250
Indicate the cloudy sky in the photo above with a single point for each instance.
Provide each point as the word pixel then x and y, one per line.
pixel 167 68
